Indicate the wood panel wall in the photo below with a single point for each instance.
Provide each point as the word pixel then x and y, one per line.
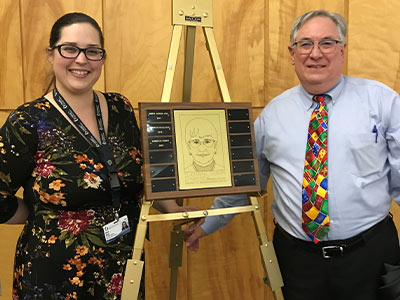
pixel 252 38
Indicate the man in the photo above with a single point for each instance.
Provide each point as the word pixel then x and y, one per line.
pixel 333 233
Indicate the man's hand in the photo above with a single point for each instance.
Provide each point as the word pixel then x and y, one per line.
pixel 192 234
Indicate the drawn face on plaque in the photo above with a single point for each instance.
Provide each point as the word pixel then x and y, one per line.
pixel 201 140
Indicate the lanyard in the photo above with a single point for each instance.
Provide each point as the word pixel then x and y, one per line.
pixel 103 148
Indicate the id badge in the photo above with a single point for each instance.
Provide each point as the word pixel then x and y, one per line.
pixel 116 229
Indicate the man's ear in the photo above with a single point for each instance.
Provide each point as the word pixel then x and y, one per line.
pixel 343 50
pixel 291 52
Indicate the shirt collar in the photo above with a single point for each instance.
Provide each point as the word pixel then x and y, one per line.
pixel 333 94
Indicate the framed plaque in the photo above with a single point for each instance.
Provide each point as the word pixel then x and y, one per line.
pixel 197 149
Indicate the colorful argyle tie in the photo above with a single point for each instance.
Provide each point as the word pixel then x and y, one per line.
pixel 315 219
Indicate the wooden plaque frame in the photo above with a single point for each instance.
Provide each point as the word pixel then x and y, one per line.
pixel 159 145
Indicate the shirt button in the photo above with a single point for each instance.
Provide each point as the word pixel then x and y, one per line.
pixel 109 162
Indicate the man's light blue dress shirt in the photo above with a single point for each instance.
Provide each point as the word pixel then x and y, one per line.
pixel 363 157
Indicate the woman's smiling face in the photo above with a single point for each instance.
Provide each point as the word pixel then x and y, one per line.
pixel 77 75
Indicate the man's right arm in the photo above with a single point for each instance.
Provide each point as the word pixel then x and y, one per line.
pixel 213 223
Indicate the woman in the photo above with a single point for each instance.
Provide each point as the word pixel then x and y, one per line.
pixel 76 153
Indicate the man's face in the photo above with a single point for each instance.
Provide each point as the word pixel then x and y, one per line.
pixel 318 72
pixel 202 148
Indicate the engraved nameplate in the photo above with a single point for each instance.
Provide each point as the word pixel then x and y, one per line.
pixel 159 129
pixel 160 143
pixel 158 116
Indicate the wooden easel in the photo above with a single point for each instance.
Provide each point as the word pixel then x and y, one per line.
pixel 191 14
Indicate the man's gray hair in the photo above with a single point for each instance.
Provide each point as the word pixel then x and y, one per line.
pixel 341 25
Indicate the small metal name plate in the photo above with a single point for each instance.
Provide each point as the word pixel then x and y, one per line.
pixel 160 157
pixel 243 166
pixel 158 171
pixel 242 153
pixel 240 140
pixel 159 129
pixel 245 179
pixel 238 114
pixel 239 127
pixel 159 116
pixel 160 143
pixel 163 185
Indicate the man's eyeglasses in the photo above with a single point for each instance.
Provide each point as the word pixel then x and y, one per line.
pixel 195 143
pixel 72 51
pixel 325 46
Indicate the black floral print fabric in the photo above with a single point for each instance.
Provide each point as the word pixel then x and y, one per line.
pixel 62 253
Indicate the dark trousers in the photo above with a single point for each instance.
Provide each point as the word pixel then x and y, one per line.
pixel 355 275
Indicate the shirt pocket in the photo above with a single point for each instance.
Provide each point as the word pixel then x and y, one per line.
pixel 365 154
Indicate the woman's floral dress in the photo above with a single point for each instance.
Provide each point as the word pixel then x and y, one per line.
pixel 62 253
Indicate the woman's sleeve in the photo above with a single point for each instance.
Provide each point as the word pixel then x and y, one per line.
pixel 18 144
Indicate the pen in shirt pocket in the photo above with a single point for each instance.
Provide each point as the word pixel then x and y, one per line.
pixel 375 130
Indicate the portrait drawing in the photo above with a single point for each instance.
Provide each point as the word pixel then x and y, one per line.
pixel 202 149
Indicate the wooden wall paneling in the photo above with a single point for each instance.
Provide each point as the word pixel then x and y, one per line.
pixel 239 34
pixel 267 52
pixel 228 264
pixel 137 37
pixel 37 17
pixel 142 53
pixel 374 44
pixel 280 74
pixel 281 15
pixel 11 88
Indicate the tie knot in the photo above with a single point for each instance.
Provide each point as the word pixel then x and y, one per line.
pixel 320 99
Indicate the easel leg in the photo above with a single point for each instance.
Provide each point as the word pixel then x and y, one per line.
pixel 175 258
pixel 216 62
pixel 172 58
pixel 134 266
pixel 269 259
